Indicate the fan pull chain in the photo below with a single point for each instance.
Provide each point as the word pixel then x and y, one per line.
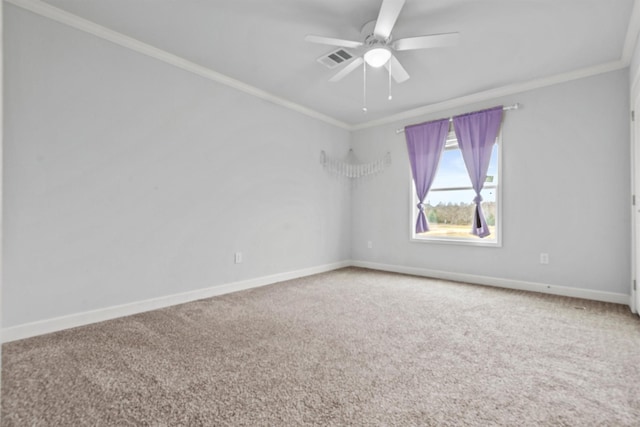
pixel 389 68
pixel 364 87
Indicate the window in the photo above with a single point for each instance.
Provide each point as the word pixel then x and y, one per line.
pixel 449 206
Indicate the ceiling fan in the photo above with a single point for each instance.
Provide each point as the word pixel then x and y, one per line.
pixel 378 45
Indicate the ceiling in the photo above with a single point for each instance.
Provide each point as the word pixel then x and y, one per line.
pixel 261 43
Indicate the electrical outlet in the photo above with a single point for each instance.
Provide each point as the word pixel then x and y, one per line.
pixel 544 258
pixel 238 257
pixel 370 244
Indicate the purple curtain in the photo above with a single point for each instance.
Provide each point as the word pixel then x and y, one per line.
pixel 425 143
pixel 476 133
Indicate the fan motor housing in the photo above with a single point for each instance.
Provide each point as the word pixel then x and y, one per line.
pixel 370 39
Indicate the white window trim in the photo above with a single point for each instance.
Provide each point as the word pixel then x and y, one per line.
pixel 497 243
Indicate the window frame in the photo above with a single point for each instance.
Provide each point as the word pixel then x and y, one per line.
pixel 413 214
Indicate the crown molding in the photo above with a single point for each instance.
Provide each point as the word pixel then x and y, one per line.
pixel 46 10
pixel 495 93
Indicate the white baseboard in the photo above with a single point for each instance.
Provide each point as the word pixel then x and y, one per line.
pixel 27 330
pixel 32 329
pixel 501 283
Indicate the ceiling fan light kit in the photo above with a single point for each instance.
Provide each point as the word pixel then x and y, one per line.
pixel 377 46
pixel 377 56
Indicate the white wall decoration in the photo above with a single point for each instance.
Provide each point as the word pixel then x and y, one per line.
pixel 350 168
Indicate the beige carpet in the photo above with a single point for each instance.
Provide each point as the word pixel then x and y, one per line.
pixel 350 347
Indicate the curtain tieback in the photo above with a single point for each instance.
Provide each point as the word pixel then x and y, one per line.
pixel 477 199
pixel 420 207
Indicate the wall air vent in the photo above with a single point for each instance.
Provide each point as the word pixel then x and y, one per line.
pixel 335 58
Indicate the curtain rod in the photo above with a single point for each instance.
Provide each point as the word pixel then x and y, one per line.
pixel 505 108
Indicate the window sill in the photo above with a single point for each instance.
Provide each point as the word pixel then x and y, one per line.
pixel 459 242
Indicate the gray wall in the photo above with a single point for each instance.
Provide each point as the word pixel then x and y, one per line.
pixel 128 179
pixel 566 189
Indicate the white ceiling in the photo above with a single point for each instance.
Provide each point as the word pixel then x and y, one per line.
pixel 260 43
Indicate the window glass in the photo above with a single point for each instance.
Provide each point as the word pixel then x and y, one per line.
pixel 449 205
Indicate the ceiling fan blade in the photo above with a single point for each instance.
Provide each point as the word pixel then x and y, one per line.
pixel 425 42
pixel 332 41
pixel 396 69
pixel 346 70
pixel 387 17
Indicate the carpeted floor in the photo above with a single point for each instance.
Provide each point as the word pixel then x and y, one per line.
pixel 349 347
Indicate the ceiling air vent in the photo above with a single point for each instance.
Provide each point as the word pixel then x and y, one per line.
pixel 335 58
